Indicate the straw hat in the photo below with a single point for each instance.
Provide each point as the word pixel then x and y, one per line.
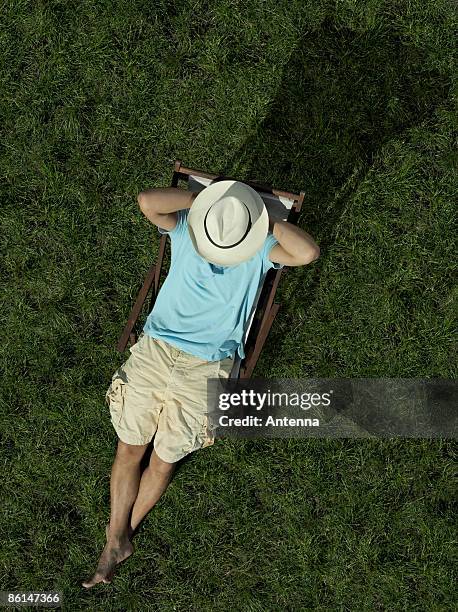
pixel 228 222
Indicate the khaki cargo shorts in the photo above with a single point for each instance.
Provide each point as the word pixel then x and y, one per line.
pixel 161 390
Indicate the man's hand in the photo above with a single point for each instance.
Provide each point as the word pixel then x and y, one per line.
pixel 295 248
pixel 160 205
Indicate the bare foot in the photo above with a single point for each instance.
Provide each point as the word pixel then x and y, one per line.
pixel 113 554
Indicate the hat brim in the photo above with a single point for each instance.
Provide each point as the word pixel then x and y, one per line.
pixel 253 241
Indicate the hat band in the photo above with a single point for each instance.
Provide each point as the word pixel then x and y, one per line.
pixel 230 246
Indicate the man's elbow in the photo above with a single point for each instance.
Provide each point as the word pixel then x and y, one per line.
pixel 311 254
pixel 141 199
pixel 146 199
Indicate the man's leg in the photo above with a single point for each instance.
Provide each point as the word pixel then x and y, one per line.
pixel 154 481
pixel 125 478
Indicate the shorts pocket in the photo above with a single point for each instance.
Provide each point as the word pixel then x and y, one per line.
pixel 225 367
pixel 115 397
pixel 201 437
pixel 206 436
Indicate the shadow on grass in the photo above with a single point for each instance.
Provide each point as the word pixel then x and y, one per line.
pixel 343 95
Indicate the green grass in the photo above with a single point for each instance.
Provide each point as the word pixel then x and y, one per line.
pixel 352 102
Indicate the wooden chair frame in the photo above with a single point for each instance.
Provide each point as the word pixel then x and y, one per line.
pixel 266 309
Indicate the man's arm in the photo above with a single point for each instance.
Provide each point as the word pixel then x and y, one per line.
pixel 160 205
pixel 295 248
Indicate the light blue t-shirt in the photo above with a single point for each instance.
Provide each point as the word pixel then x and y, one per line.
pixel 202 308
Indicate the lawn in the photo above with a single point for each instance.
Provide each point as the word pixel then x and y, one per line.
pixel 354 103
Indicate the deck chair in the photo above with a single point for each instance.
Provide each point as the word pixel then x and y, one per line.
pixel 282 205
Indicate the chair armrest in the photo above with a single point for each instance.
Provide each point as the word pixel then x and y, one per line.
pixel 135 312
pixel 253 354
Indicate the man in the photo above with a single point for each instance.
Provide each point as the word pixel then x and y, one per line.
pixel 221 250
